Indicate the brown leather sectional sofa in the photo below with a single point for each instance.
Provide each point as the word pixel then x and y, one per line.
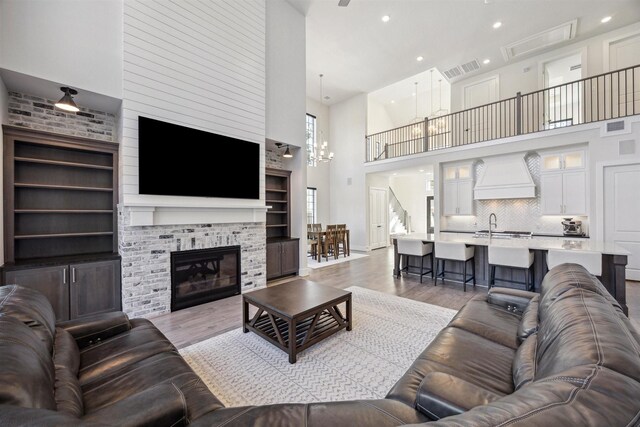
pixel 567 356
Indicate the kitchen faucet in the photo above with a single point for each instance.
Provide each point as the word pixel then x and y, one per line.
pixel 494 223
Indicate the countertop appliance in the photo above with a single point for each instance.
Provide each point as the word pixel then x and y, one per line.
pixel 571 227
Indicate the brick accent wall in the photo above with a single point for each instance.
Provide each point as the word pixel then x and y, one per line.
pixel 38 113
pixel 146 258
pixel 273 159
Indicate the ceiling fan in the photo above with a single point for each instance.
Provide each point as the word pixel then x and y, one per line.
pixel 344 3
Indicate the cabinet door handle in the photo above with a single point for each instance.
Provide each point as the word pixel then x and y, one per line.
pixel 73 275
pixel 64 275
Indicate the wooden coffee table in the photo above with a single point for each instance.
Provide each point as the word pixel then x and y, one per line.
pixel 308 309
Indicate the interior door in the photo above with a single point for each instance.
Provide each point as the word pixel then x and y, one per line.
pixel 621 212
pixel 625 53
pixel 475 95
pixel 378 218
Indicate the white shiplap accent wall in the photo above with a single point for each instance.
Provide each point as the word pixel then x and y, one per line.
pixel 196 63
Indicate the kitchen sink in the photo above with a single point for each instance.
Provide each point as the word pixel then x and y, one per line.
pixel 503 234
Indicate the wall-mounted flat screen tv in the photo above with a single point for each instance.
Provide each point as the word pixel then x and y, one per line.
pixel 177 160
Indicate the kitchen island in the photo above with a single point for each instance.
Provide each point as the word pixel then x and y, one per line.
pixel 614 258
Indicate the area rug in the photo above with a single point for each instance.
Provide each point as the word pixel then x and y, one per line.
pixel 312 263
pixel 389 332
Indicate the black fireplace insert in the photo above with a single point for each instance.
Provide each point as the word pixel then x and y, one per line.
pixel 204 275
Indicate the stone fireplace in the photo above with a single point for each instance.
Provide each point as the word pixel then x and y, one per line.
pixel 202 275
pixel 146 252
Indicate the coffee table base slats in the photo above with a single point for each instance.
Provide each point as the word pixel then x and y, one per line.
pixel 326 322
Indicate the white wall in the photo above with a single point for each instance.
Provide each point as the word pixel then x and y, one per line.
pixel 378 118
pixel 319 176
pixel 4 112
pixel 200 65
pixel 348 123
pixel 286 73
pixel 72 42
pixel 525 76
pixel 286 104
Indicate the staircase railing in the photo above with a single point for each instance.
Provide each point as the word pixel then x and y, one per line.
pixel 396 206
pixel 603 97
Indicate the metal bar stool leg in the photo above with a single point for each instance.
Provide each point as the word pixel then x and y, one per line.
pixel 473 270
pixel 464 276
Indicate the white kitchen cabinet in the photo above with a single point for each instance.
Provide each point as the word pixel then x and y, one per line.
pixel 458 190
pixel 561 161
pixel 563 193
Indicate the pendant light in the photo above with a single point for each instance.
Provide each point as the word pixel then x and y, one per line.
pixel 287 153
pixel 325 154
pixel 66 103
pixel 417 121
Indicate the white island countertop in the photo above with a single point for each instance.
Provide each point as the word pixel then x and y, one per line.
pixel 590 245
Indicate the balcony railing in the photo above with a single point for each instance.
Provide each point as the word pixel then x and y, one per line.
pixel 603 97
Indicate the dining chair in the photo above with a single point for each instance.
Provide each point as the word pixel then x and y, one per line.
pixel 340 240
pixel 312 241
pixel 329 244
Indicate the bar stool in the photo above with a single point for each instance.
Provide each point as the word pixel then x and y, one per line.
pixel 452 251
pixel 591 261
pixel 410 247
pixel 520 258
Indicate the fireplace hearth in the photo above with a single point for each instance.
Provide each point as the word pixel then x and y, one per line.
pixel 204 275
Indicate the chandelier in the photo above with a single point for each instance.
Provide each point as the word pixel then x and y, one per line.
pixel 325 155
pixel 437 123
pixel 417 122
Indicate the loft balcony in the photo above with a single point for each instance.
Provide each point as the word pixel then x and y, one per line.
pixel 598 98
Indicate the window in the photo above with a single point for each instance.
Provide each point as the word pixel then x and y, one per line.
pixel 311 140
pixel 312 212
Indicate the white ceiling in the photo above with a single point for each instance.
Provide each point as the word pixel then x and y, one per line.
pixel 359 53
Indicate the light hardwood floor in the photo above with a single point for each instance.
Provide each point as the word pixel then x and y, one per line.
pixel 195 324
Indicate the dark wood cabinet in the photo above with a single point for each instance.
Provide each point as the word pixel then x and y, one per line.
pixel 74 289
pixel 60 219
pixel 95 288
pixel 50 281
pixel 282 257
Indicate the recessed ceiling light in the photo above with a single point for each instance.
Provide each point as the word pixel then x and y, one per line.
pixel 421 170
pixel 386 18
pixel 413 94
pixel 394 174
pixel 497 25
pixel 393 102
pixel 486 61
pixel 419 58
pixel 605 19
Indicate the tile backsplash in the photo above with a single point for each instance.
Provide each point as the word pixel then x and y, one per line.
pixel 512 214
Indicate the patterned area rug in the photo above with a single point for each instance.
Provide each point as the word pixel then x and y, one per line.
pixel 389 332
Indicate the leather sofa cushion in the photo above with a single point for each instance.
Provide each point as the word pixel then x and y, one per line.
pixel 379 413
pixel 92 329
pixel 107 357
pixel 163 368
pixel 26 367
pixel 489 321
pixel 583 328
pixel 524 364
pixel 529 322
pixel 66 360
pixel 442 395
pixel 462 354
pixel 31 308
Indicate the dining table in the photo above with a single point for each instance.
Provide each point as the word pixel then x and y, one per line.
pixel 321 237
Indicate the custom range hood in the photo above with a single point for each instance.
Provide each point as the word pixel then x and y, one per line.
pixel 505 177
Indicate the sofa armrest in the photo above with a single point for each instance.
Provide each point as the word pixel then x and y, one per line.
pixel 91 329
pixel 162 405
pixel 441 395
pixel 514 300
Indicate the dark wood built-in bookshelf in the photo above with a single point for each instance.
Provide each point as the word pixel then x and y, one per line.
pixel 282 249
pixel 60 216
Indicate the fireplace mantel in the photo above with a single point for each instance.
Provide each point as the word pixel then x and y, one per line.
pixel 168 210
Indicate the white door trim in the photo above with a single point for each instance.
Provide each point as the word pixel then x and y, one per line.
pixel 495 77
pixel 600 167
pixel 583 64
pixel 606 46
pixel 386 215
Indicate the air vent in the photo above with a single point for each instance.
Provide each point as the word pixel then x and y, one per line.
pixel 453 73
pixel 540 41
pixel 615 126
pixel 575 67
pixel 470 66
